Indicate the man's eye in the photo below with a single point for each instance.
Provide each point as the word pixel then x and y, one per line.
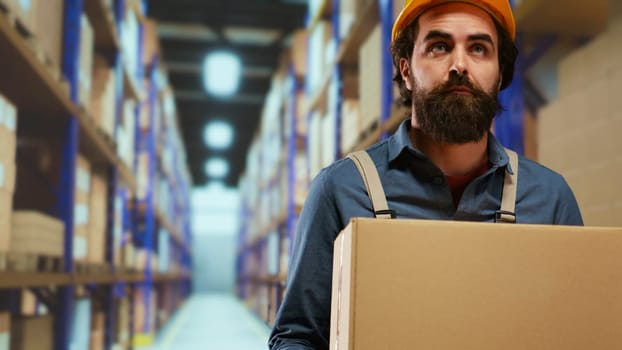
pixel 479 49
pixel 438 47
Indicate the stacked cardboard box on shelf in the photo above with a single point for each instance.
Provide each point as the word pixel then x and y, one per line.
pixel 370 94
pixel 151 44
pixel 579 133
pixel 87 45
pixel 98 203
pixel 81 215
pixel 98 328
pixel 142 175
pixel 5 330
pixel 103 95
pixel 350 11
pixel 144 323
pixel 49 29
pixel 126 134
pixel 117 231
pixel 130 39
pixel 299 53
pixel 350 123
pixel 25 12
pixel 36 233
pixel 32 332
pixel 318 64
pixel 8 119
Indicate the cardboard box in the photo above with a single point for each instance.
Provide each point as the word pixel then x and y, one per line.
pixel 81 244
pixel 299 53
pixel 87 46
pixel 83 179
pixel 151 43
pixel 370 94
pixel 350 123
pixel 49 30
pixel 34 232
pixel 97 225
pixel 103 95
pixel 8 124
pixel 98 327
pixel 6 207
pixel 315 144
pixel 5 330
pixel 7 176
pixel 36 332
pixel 403 284
pixel 25 11
pixel 318 40
pixel 130 39
pixel 328 139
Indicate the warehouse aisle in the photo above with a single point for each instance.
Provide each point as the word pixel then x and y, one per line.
pixel 214 321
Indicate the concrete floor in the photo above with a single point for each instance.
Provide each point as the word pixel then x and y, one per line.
pixel 213 321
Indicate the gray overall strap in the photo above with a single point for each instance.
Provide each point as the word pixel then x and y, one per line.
pixel 507 212
pixel 369 173
pixel 370 176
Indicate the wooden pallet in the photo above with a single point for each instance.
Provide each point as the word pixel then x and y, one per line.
pixel 29 262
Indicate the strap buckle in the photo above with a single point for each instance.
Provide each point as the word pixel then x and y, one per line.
pixel 505 216
pixel 384 213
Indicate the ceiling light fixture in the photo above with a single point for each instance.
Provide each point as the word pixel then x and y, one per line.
pixel 216 168
pixel 218 135
pixel 222 71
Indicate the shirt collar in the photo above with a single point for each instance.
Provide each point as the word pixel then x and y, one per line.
pixel 401 141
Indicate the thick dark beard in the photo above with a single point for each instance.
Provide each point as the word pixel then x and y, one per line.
pixel 451 118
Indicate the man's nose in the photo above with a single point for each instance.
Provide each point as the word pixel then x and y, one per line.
pixel 458 63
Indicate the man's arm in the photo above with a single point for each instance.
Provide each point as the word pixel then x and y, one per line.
pixel 568 212
pixel 303 320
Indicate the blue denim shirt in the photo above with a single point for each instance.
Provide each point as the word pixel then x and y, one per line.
pixel 415 188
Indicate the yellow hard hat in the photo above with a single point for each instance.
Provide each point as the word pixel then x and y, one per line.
pixel 500 10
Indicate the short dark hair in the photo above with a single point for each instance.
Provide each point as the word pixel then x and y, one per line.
pixel 403 45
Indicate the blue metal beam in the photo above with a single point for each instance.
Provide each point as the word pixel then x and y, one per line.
pixel 509 123
pixel 386 80
pixel 66 190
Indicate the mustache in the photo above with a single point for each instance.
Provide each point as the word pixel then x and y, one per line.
pixel 456 80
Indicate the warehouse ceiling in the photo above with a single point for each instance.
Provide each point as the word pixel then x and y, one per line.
pixel 257 31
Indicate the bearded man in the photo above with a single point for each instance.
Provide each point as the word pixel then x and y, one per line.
pixel 452 57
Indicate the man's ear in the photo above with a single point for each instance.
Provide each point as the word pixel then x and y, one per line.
pixel 500 80
pixel 405 72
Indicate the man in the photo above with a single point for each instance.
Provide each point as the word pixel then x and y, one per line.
pixel 452 58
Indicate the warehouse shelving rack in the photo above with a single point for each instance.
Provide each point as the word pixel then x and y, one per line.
pixel 47 103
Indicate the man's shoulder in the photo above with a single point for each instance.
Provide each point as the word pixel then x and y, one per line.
pixel 539 173
pixel 343 171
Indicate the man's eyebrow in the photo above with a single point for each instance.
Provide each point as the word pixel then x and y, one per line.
pixel 437 34
pixel 481 37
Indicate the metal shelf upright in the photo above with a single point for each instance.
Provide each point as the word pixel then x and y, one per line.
pixel 66 190
pixel 386 24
